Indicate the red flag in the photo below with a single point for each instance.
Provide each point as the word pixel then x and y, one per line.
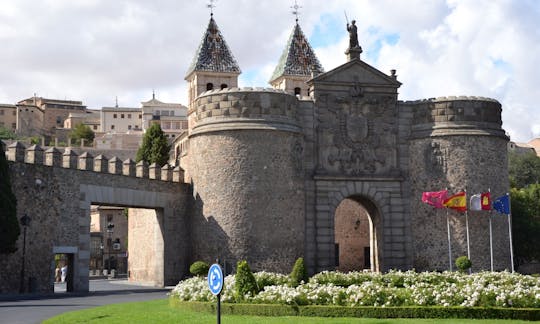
pixel 434 198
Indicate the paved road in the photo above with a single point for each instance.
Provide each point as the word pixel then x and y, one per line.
pixel 35 309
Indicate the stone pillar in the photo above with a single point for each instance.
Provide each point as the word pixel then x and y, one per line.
pixel 101 163
pixel 16 152
pixel 69 159
pixel 154 171
pixel 34 154
pixel 166 173
pixel 115 165
pixel 86 162
pixel 142 169
pixel 178 174
pixel 128 168
pixel 53 157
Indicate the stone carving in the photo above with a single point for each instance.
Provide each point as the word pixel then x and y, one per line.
pixel 353 34
pixel 359 136
pixel 435 158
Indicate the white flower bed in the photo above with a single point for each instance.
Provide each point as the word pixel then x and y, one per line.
pixel 396 288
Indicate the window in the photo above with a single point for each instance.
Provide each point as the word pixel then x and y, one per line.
pixel 59 119
pixel 171 112
pixel 223 86
pixel 129 116
pixel 14 125
pixel 129 127
pixel 157 112
pixel 2 112
pixel 166 125
pixel 121 115
pixel 140 116
pixel 14 112
pixel 136 126
pixel 114 116
pixel 297 91
pixel 112 126
pixel 94 127
pixel 209 86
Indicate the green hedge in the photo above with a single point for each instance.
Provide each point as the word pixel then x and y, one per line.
pixel 531 314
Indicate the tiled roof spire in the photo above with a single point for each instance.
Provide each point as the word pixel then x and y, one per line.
pixel 298 58
pixel 213 54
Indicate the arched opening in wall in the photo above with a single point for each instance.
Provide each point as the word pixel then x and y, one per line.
pixel 223 86
pixel 209 86
pixel 297 91
pixel 355 235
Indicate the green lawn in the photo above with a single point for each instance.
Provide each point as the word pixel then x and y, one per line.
pixel 158 311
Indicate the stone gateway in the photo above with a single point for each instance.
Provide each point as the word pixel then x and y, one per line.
pixel 329 166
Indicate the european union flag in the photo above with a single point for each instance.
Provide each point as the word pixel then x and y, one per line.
pixel 502 204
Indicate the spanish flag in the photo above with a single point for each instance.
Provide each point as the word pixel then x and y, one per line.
pixel 457 202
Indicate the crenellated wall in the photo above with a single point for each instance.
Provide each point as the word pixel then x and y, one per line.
pixel 56 190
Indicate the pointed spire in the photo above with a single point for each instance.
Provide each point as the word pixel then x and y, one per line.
pixel 213 54
pixel 298 58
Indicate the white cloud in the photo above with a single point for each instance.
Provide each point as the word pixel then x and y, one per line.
pixel 94 50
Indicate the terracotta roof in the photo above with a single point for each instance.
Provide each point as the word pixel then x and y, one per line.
pixel 213 54
pixel 298 58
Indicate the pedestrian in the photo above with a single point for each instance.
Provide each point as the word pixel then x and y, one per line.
pixel 64 272
pixel 57 277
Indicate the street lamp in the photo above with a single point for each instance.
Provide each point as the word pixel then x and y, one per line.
pixel 110 230
pixel 25 222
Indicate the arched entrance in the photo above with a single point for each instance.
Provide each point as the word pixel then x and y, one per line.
pixel 355 235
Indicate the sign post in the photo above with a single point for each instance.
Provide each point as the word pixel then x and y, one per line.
pixel 215 283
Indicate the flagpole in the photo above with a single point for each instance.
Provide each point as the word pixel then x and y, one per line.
pixel 467 231
pixel 510 233
pixel 449 240
pixel 490 234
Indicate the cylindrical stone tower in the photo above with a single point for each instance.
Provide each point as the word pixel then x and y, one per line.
pixel 457 144
pixel 245 164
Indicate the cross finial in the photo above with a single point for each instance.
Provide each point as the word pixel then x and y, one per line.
pixel 211 5
pixel 295 11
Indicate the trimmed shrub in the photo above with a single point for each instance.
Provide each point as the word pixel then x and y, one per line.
pixel 199 268
pixel 463 263
pixel 245 283
pixel 299 273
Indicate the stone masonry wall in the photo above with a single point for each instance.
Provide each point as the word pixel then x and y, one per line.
pixel 58 201
pixel 458 144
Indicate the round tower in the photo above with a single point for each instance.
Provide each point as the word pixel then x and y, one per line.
pixel 245 165
pixel 457 144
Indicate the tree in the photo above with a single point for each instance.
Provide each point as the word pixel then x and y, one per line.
pixel 9 224
pixel 299 273
pixel 155 147
pixel 244 281
pixel 526 223
pixel 81 131
pixel 6 133
pixel 523 169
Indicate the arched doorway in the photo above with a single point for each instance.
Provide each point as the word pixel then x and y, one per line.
pixel 355 235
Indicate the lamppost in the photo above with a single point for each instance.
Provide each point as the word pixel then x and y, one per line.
pixel 25 222
pixel 110 230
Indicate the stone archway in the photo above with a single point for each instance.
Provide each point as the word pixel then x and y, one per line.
pixel 355 235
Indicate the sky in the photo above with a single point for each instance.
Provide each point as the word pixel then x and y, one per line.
pixel 98 50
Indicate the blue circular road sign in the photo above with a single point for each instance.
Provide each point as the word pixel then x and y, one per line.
pixel 215 279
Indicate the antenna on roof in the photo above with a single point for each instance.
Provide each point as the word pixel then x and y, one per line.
pixel 295 11
pixel 211 5
pixel 153 94
pixel 116 99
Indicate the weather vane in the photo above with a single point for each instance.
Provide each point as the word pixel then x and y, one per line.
pixel 295 10
pixel 211 5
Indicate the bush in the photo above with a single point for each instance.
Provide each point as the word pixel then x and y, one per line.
pixel 299 273
pixel 463 263
pixel 245 283
pixel 199 268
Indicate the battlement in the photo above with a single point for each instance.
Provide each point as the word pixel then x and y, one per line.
pixel 244 108
pixel 456 115
pixel 68 159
